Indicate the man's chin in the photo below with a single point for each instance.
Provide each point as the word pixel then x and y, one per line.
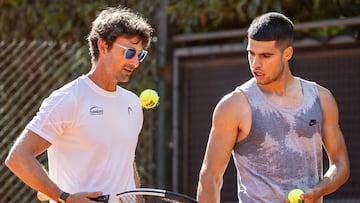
pixel 124 79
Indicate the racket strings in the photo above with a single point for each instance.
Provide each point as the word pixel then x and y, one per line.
pixel 132 199
pixel 145 199
pixel 170 200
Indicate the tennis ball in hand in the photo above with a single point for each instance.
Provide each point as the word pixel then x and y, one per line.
pixel 294 196
pixel 149 98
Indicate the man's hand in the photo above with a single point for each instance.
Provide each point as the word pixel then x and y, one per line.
pixel 80 197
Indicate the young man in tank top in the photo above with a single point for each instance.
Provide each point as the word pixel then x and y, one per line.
pixel 274 126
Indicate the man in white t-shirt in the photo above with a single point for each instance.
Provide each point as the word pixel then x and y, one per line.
pixel 90 126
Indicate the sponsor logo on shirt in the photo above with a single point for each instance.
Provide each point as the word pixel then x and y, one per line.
pixel 95 110
pixel 129 110
pixel 312 122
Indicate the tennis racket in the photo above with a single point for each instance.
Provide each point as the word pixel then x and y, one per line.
pixel 140 195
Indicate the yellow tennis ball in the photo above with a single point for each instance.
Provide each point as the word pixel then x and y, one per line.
pixel 294 196
pixel 149 98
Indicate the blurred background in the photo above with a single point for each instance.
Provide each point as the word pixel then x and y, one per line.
pixel 196 57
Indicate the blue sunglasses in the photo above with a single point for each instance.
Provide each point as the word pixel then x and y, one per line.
pixel 131 52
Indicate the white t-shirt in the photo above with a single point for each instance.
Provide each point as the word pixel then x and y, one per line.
pixel 94 134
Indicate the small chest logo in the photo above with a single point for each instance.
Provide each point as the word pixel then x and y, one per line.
pixel 95 110
pixel 312 122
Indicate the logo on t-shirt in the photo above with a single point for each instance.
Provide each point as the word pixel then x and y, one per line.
pixel 312 122
pixel 95 110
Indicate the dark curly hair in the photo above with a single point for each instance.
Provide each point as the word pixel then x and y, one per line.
pixel 114 22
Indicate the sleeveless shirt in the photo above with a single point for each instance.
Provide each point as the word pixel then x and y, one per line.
pixel 283 150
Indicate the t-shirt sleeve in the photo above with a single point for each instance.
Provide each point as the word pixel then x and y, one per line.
pixel 55 115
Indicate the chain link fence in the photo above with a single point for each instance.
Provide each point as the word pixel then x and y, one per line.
pixel 29 72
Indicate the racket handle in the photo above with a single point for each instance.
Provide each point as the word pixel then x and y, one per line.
pixel 104 198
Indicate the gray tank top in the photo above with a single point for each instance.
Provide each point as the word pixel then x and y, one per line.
pixel 283 150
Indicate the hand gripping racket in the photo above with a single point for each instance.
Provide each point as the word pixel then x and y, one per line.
pixel 140 195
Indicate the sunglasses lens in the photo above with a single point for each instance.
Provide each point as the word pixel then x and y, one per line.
pixel 130 53
pixel 142 55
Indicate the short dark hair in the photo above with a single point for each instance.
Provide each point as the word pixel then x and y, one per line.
pixel 114 22
pixel 272 26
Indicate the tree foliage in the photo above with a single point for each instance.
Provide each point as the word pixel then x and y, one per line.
pixel 57 19
pixel 70 20
pixel 209 15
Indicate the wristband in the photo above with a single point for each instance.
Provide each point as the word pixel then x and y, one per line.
pixel 63 197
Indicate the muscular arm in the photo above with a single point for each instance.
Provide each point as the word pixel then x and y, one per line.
pixel 334 144
pixel 22 161
pixel 224 134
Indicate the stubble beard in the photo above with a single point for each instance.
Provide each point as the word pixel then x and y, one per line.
pixel 272 79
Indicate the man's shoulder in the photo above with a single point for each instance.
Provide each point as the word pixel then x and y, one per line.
pixel 233 101
pixel 247 85
pixel 126 92
pixel 72 84
pixel 65 93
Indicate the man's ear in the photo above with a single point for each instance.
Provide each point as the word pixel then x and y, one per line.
pixel 102 46
pixel 288 53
